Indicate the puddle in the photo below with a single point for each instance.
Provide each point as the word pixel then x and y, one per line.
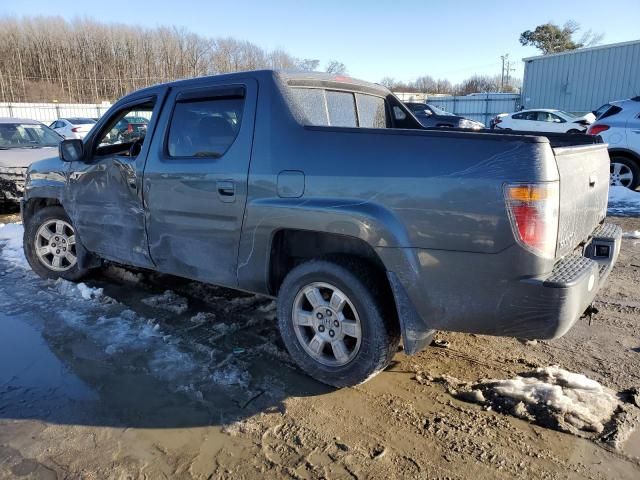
pixel 32 379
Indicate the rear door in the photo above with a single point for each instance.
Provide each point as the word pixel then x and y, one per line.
pixel 633 133
pixel 195 180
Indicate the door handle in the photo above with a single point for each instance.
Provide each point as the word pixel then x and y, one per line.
pixel 226 190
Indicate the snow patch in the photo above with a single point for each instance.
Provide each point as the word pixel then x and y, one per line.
pixel 169 301
pixel 81 290
pixel 231 375
pixel 634 234
pixel 623 201
pixel 553 397
pixel 122 274
pixel 11 244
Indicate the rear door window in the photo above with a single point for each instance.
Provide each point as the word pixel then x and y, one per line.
pixel 204 128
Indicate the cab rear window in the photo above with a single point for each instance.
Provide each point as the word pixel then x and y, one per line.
pixel 335 108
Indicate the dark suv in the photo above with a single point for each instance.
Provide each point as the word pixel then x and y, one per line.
pixel 432 116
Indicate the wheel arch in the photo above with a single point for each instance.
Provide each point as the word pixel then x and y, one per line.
pixel 33 204
pixel 625 152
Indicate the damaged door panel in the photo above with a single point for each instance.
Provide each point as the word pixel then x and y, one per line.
pixel 104 193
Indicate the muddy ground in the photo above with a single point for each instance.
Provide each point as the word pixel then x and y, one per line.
pixel 131 382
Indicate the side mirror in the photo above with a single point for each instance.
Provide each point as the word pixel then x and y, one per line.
pixel 71 150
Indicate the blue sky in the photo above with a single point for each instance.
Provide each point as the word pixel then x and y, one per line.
pixel 402 39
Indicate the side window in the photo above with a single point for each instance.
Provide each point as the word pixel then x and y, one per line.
pixel 342 109
pixel 517 116
pixel 311 102
pixel 371 111
pixel 126 128
pixel 204 127
pixel 555 118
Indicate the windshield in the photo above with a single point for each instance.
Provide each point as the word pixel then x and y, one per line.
pixel 27 135
pixel 439 111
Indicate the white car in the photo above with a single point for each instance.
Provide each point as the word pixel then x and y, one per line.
pixel 543 120
pixel 618 123
pixel 73 127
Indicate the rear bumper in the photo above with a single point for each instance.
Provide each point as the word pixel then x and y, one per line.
pixel 572 285
pixel 477 293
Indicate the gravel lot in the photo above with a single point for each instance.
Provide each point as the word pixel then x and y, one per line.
pixel 136 375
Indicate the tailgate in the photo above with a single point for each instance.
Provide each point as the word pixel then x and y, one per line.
pixel 584 190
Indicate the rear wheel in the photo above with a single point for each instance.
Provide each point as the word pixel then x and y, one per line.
pixel 624 172
pixel 51 246
pixel 334 322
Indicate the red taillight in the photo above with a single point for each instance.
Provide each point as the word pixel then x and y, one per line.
pixel 533 213
pixel 597 129
pixel 75 130
pixel 129 128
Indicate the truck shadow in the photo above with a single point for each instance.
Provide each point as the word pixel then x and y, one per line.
pixel 132 355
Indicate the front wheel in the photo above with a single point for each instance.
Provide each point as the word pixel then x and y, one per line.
pixel 51 246
pixel 624 173
pixel 335 321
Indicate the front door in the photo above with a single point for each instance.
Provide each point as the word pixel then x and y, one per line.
pixel 104 194
pixel 195 181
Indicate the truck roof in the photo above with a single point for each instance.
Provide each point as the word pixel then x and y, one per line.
pixel 287 76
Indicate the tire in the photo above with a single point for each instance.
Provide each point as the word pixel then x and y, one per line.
pixel 45 222
pixel 364 312
pixel 624 172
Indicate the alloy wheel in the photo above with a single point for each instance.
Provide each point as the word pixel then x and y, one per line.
pixel 55 245
pixel 326 324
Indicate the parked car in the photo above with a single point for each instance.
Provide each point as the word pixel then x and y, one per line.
pixel 543 120
pixel 73 127
pixel 128 129
pixel 618 123
pixel 326 193
pixel 432 116
pixel 22 142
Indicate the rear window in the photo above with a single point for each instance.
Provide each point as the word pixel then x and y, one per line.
pixel 609 112
pixel 341 109
pixel 81 121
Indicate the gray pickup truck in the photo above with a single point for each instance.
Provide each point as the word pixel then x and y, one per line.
pixel 327 193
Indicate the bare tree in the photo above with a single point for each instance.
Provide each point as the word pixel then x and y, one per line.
pixel 48 58
pixel 335 67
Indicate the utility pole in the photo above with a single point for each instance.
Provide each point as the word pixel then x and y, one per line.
pixel 506 71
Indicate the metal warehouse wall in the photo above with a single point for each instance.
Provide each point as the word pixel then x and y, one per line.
pixel 582 80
